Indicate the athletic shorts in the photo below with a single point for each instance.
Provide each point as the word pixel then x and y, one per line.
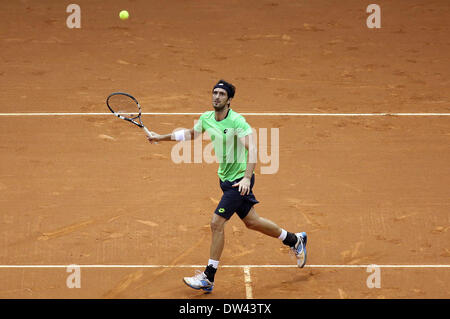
pixel 233 202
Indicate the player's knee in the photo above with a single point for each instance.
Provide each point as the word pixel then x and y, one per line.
pixel 252 223
pixel 217 226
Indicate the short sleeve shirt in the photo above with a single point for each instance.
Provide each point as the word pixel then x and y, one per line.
pixel 225 135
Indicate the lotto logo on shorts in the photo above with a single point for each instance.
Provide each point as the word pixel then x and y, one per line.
pixel 221 210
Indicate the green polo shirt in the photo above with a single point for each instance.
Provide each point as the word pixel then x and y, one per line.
pixel 230 153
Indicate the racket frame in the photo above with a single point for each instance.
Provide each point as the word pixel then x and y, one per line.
pixel 132 120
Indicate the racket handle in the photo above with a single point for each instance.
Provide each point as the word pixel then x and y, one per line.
pixel 148 133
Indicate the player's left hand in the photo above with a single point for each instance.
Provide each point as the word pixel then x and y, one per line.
pixel 244 186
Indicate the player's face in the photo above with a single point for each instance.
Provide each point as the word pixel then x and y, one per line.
pixel 219 99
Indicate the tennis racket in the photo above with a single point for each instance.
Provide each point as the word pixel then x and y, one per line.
pixel 126 107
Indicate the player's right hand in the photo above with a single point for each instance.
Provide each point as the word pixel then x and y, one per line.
pixel 153 138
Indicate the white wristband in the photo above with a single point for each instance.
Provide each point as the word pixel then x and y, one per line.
pixel 179 135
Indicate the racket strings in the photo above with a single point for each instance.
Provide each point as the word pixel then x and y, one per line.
pixel 124 105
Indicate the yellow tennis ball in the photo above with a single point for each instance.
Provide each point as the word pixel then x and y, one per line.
pixel 124 14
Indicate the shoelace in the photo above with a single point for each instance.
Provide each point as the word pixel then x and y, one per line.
pixel 199 275
pixel 301 244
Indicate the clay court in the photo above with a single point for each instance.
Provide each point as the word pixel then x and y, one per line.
pixel 364 147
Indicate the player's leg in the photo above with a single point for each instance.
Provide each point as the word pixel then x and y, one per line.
pixel 225 209
pixel 216 247
pixel 296 241
pixel 255 222
pixel 217 237
pixel 205 280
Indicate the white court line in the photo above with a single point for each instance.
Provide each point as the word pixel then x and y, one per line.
pixel 248 283
pixel 223 266
pixel 249 114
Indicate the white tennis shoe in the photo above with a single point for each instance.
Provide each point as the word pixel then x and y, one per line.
pixel 199 281
pixel 300 249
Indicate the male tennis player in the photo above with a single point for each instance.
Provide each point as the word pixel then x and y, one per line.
pixel 236 180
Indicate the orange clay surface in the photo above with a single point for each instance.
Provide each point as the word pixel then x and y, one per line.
pixel 90 190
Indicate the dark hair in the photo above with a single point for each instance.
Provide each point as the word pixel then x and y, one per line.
pixel 230 88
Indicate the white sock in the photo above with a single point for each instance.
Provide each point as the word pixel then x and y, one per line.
pixel 283 235
pixel 214 263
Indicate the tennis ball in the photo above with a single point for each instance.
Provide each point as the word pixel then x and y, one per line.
pixel 124 14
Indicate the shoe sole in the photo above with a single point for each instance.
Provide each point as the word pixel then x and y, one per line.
pixel 207 290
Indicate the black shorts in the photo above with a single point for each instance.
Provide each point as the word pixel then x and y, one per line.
pixel 233 202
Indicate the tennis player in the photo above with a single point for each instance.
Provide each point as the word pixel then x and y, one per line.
pixel 236 178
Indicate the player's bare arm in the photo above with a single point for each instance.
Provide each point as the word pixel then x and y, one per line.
pixel 180 135
pixel 244 183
